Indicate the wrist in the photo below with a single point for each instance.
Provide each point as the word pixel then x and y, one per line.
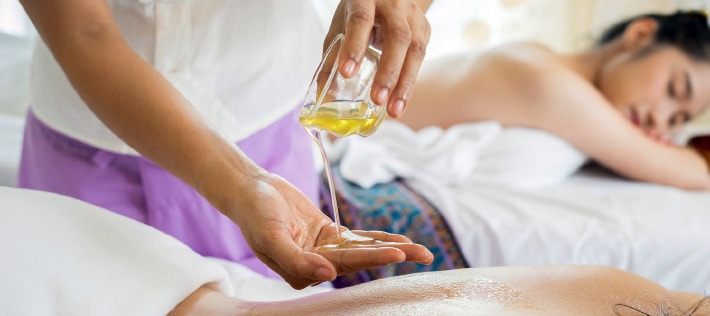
pixel 223 175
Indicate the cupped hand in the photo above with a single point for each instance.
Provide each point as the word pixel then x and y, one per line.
pixel 287 232
pixel 398 28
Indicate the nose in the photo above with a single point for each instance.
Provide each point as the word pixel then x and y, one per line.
pixel 657 120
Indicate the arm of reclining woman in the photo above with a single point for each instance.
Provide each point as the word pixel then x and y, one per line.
pixel 573 109
pixel 527 90
pixel 583 117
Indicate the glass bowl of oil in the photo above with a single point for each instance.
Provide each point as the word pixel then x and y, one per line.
pixel 342 106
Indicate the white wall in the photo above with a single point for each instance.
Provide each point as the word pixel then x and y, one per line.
pixel 16 40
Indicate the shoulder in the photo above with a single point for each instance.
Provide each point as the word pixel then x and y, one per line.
pixel 525 58
pixel 535 70
pixel 539 78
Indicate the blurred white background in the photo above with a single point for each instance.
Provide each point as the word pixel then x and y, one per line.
pixel 563 25
pixel 457 25
pixel 16 38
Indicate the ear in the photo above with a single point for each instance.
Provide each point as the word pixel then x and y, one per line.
pixel 639 33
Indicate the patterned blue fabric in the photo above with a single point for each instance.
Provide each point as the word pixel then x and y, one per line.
pixel 395 208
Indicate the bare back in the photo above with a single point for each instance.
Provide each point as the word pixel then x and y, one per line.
pixel 551 290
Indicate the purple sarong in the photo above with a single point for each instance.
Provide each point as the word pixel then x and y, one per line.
pixel 137 188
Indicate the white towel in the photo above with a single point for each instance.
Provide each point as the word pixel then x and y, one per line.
pixel 476 153
pixel 60 256
pixel 444 156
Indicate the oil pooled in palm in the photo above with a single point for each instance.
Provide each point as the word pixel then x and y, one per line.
pixel 347 239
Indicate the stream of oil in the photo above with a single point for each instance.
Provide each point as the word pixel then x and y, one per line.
pixel 345 239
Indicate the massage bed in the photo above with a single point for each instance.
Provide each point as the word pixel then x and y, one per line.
pixel 589 217
pixel 519 197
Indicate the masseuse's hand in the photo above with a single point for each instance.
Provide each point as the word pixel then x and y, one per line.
pixel 398 28
pixel 284 229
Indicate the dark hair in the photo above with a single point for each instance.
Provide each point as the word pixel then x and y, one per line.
pixel 688 31
pixel 667 308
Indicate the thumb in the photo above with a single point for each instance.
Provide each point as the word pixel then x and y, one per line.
pixel 298 263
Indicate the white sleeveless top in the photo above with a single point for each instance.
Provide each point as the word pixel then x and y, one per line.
pixel 243 64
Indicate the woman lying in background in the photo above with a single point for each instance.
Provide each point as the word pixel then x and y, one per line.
pixel 617 102
pixel 67 257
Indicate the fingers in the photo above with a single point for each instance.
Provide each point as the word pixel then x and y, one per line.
pixel 382 236
pixel 358 257
pixel 406 35
pixel 294 282
pixel 360 18
pixel 355 259
pixel 404 30
pixel 408 76
pixel 298 267
pixel 412 252
pixel 397 36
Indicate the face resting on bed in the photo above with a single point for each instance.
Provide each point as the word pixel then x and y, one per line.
pixel 558 290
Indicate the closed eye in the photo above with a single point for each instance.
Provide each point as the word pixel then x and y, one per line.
pixel 680 88
pixel 679 118
pixel 671 90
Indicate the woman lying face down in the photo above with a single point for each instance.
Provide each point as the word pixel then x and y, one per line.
pixel 618 102
pixel 551 290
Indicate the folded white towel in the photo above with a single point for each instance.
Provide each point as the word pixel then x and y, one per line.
pixel 445 156
pixel 482 152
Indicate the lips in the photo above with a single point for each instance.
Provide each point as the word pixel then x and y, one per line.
pixel 635 118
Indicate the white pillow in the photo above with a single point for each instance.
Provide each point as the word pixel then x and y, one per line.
pixel 523 157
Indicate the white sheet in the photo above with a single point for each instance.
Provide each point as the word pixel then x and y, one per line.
pixel 592 217
pixel 60 256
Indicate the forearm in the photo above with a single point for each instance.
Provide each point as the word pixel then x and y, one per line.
pixel 582 116
pixel 135 101
pixel 145 111
pixel 629 152
pixel 675 166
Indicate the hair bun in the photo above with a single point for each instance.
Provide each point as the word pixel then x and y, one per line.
pixel 703 12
